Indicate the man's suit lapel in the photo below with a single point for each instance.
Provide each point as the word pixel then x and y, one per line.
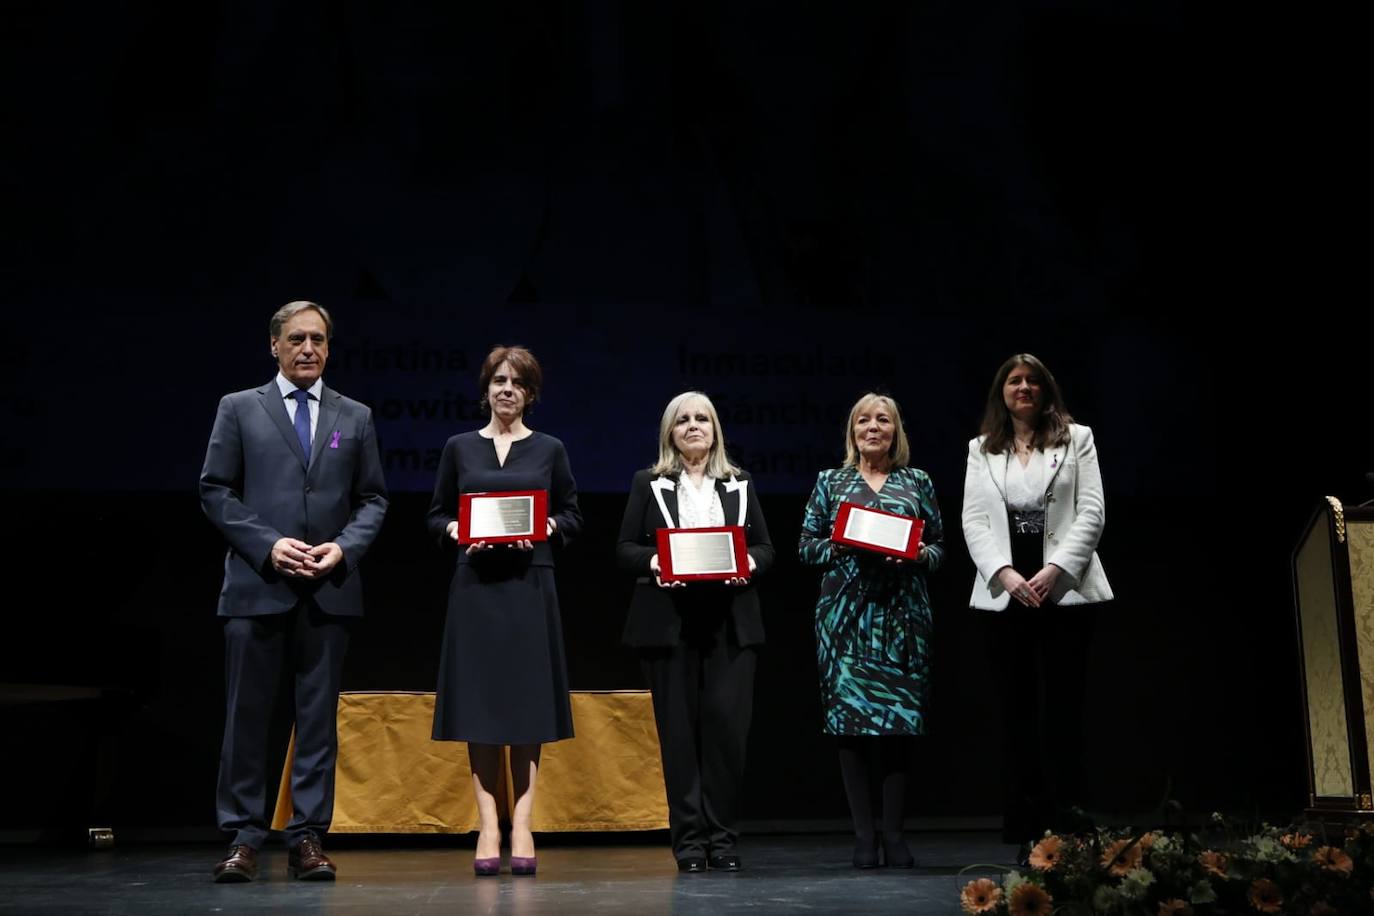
pixel 275 405
pixel 325 425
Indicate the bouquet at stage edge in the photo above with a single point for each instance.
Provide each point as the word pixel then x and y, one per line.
pixel 1272 870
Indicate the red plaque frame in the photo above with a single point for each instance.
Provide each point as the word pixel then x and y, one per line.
pixel 665 556
pixel 541 515
pixel 913 543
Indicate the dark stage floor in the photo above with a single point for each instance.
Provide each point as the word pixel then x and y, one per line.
pixel 782 874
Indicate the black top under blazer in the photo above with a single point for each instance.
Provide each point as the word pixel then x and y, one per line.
pixel 655 617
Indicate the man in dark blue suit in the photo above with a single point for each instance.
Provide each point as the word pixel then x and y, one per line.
pixel 293 481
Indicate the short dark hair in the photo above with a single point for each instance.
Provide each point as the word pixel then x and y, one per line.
pixel 284 314
pixel 525 366
pixel 1051 427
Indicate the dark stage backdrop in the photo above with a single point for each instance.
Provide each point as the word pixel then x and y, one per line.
pixel 781 205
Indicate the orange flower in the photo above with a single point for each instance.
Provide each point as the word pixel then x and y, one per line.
pixel 1214 863
pixel 1295 840
pixel 1119 860
pixel 980 896
pixel 1332 859
pixel 1174 907
pixel 1148 840
pixel 1264 896
pixel 1030 900
pixel 1045 855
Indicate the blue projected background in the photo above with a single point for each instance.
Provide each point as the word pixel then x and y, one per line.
pixel 782 379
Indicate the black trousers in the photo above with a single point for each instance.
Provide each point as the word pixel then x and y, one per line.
pixel 703 692
pixel 1040 665
pixel 301 653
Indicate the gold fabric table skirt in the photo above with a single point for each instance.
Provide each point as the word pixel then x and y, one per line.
pixel 392 778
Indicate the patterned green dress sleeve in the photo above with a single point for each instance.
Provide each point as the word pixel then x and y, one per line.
pixel 815 548
pixel 933 535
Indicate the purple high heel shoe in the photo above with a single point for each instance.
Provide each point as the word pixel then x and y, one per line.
pixel 519 865
pixel 486 868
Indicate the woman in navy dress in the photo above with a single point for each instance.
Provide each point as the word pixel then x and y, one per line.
pixel 502 674
pixel 873 623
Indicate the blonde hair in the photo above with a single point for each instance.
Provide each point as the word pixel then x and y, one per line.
pixel 900 453
pixel 670 460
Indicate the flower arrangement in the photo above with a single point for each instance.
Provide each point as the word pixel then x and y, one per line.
pixel 1271 870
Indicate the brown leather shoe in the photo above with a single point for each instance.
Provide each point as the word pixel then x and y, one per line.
pixel 239 866
pixel 308 862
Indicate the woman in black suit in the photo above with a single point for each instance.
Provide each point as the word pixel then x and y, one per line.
pixel 697 643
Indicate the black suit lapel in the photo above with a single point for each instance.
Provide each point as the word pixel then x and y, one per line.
pixel 665 493
pixel 729 502
pixel 670 500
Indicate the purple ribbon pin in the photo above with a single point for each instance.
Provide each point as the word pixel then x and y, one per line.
pixel 334 442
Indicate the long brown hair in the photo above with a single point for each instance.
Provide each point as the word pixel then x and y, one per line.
pixel 1051 427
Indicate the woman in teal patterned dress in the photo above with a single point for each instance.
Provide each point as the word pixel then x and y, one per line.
pixel 873 623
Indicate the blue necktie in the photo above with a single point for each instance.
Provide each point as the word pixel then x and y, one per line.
pixel 303 420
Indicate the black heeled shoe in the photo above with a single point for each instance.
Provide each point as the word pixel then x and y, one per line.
pixel 866 852
pixel 896 854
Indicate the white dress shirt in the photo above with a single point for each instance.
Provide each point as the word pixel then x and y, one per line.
pixel 699 507
pixel 288 390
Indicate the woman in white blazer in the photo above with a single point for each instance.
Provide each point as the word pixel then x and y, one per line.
pixel 1033 515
